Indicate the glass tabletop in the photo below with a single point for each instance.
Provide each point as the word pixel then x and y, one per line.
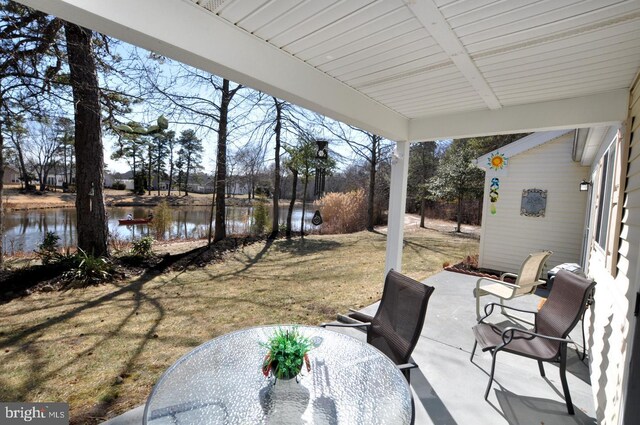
pixel 221 382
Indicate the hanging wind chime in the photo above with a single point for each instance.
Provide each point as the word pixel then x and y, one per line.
pixel 322 154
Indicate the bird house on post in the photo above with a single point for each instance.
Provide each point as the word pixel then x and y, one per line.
pixel 322 154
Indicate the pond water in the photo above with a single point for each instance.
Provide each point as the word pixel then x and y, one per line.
pixel 24 230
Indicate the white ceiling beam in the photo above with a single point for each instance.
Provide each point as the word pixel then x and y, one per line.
pixel 435 23
pixel 186 32
pixel 585 111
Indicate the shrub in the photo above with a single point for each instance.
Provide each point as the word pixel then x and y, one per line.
pixel 343 212
pixel 118 186
pixel 260 217
pixel 162 219
pixel 142 247
pixel 88 270
pixel 48 249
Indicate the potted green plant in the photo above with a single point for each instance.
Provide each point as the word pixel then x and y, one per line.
pixel 288 350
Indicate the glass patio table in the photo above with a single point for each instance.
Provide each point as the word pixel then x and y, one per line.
pixel 221 382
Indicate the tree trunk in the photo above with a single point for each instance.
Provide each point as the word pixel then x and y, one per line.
pixel 64 163
pixel 459 213
pixel 372 192
pixel 186 177
pixel 158 169
pixel 212 212
pixel 23 168
pixel 304 203
pixel 423 205
pixel 170 176
pixel 1 206
pixel 275 223
pixel 221 164
pixel 149 168
pixel 91 215
pixel 294 188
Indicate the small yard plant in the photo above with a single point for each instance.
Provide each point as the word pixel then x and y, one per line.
pixel 48 249
pixel 287 351
pixel 142 247
pixel 89 270
pixel 260 217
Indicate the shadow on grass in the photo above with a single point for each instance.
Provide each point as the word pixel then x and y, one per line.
pixel 27 339
pixel 307 246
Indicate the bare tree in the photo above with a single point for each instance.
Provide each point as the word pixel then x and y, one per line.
pixel 366 146
pixel 227 95
pixel 190 154
pixel 42 149
pixel 250 158
pixel 17 136
pixel 195 97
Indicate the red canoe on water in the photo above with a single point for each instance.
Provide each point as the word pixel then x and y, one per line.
pixel 134 221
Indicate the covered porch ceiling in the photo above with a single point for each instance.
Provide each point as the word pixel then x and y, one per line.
pixel 404 69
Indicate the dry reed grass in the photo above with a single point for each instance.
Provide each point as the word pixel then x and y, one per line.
pixel 343 212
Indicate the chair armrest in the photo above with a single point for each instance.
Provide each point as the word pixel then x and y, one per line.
pixel 512 275
pixel 513 308
pixel 407 366
pixel 346 325
pixel 488 310
pixel 488 279
pixel 506 339
pixel 359 316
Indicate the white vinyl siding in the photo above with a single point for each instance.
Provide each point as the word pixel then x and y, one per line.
pixel 617 277
pixel 508 237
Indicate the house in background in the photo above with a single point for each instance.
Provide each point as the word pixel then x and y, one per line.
pixel 11 175
pixel 539 166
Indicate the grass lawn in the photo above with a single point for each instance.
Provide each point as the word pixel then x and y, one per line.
pixel 101 349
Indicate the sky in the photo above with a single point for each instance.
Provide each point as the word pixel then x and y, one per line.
pixel 147 114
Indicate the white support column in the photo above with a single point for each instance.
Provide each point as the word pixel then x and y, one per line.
pixel 397 202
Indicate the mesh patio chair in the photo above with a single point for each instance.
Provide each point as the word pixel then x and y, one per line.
pixel 397 324
pixel 548 341
pixel 527 280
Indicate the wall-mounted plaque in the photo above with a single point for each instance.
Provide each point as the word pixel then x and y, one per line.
pixel 534 202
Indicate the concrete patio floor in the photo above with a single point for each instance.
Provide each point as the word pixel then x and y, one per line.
pixel 449 389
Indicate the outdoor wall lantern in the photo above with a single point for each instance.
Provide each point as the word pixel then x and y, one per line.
pixel 584 185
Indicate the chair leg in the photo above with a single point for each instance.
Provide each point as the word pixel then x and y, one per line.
pixel 563 378
pixel 541 367
pixel 407 375
pixel 475 344
pixel 493 368
pixel 584 340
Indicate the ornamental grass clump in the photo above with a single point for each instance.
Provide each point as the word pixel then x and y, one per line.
pixel 343 212
pixel 287 351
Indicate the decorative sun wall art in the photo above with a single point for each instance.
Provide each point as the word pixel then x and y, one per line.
pixel 497 161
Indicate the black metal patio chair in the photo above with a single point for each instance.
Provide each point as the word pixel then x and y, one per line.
pixel 548 341
pixel 396 326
